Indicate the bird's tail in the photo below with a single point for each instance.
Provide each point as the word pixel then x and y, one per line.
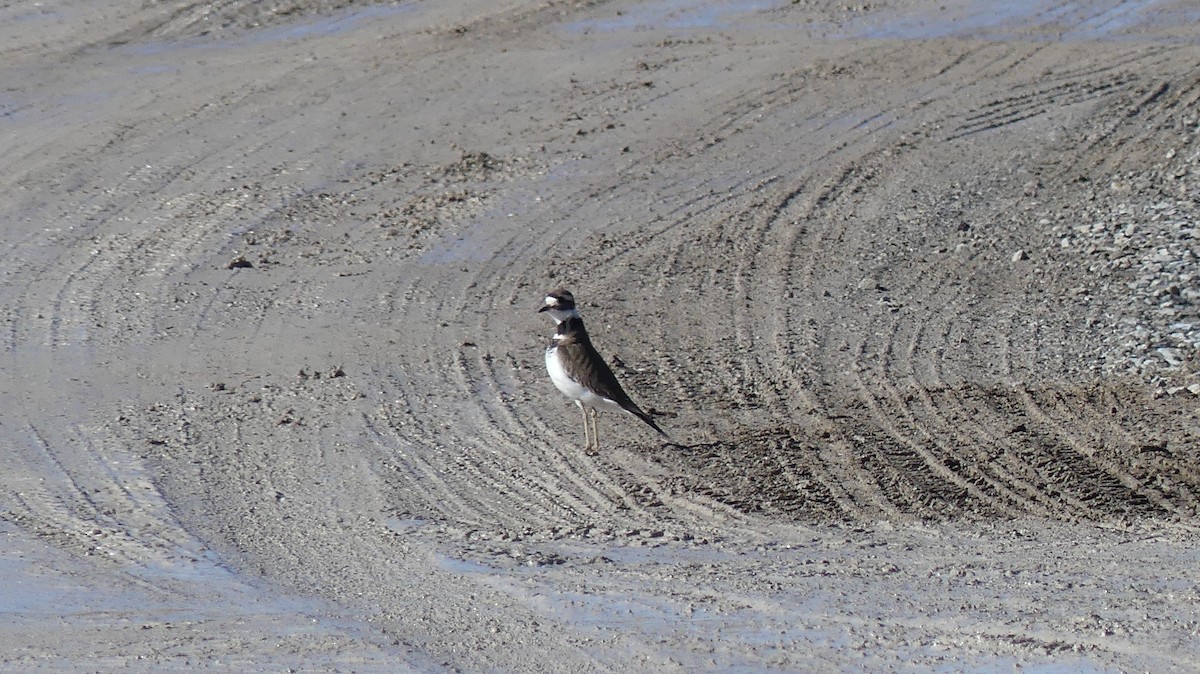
pixel 649 420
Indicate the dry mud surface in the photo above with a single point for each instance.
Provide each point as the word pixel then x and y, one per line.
pixel 912 287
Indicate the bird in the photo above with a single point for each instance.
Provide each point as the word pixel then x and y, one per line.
pixel 579 371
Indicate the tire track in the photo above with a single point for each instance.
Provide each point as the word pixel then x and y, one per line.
pixel 916 441
pixel 949 448
pixel 1053 93
pixel 810 270
pixel 967 420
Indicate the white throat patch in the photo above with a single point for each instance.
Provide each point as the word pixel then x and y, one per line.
pixel 559 315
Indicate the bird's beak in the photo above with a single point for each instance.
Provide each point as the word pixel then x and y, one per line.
pixel 545 307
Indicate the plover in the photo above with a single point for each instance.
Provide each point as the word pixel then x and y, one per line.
pixel 579 371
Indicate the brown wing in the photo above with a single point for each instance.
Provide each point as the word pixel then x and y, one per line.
pixel 587 364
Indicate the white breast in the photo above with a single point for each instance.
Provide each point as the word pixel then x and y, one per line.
pixel 558 375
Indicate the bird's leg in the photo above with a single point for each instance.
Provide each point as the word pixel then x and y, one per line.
pixel 587 439
pixel 595 431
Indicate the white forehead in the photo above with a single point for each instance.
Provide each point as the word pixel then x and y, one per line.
pixel 551 300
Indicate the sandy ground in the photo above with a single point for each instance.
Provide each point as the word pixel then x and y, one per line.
pixel 910 284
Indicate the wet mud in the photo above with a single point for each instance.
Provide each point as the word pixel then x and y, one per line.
pixel 911 289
